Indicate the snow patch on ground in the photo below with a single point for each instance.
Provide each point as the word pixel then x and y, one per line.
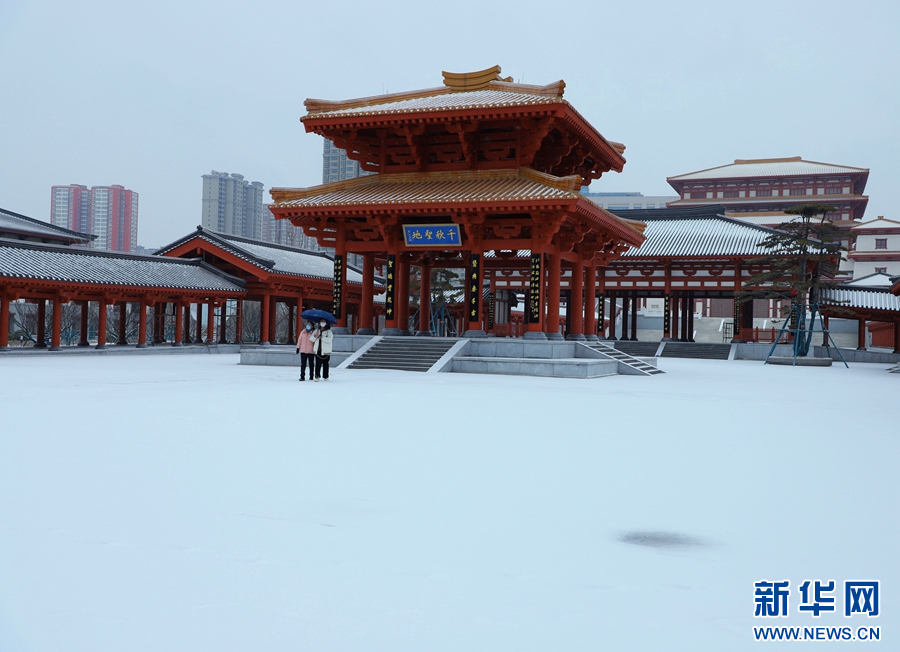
pixel 188 503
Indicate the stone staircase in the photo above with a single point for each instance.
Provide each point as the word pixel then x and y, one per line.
pixel 696 350
pixel 639 366
pixel 639 349
pixel 404 353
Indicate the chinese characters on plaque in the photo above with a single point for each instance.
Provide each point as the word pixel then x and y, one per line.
pixel 432 235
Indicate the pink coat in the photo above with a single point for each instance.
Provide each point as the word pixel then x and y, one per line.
pixel 304 343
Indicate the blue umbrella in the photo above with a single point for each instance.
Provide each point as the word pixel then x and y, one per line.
pixel 315 315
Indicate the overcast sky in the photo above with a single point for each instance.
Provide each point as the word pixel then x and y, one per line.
pixel 153 95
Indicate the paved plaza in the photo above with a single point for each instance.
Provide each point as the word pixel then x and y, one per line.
pixel 188 503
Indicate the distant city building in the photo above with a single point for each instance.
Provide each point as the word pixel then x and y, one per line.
pixel 70 207
pixel 284 233
pixel 759 190
pixel 337 167
pixel 627 200
pixel 232 205
pixel 108 212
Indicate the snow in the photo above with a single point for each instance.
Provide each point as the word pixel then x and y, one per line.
pixel 189 503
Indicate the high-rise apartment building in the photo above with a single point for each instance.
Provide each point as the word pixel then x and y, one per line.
pixel 108 212
pixel 70 207
pixel 337 167
pixel 232 205
pixel 114 216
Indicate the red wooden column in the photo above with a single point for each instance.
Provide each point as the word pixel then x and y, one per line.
pixel 178 337
pixel 210 321
pixel 101 323
pixel 425 303
pixel 861 334
pixel 142 324
pixel 402 299
pixel 56 324
pixel 554 270
pixel 896 337
pixel 239 322
pixel 4 322
pixel 41 342
pixel 576 309
pixel 83 332
pixel 264 305
pixel 368 295
pixel 590 302
pixel 223 323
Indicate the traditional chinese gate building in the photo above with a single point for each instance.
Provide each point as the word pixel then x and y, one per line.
pixel 478 167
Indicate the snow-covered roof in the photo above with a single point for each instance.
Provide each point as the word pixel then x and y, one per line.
pixel 878 279
pixel 688 232
pixel 29 260
pixel 280 259
pixel 877 224
pixel 14 225
pixel 769 167
pixel 441 100
pixel 483 89
pixel 869 298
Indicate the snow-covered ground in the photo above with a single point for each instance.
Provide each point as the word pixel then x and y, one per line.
pixel 188 503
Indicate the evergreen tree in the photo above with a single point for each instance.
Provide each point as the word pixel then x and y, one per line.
pixel 801 260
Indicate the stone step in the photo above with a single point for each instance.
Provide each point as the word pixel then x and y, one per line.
pixel 625 358
pixel 643 349
pixel 404 354
pixel 696 350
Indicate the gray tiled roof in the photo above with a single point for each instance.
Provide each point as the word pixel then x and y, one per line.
pixel 272 257
pixel 26 260
pixel 702 232
pixel 14 223
pixel 768 168
pixel 870 298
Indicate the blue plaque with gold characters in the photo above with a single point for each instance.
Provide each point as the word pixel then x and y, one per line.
pixel 432 235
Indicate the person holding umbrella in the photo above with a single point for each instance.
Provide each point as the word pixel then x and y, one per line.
pixel 322 340
pixel 305 349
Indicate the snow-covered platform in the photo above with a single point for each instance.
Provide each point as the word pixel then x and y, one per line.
pixel 474 356
pixel 188 502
